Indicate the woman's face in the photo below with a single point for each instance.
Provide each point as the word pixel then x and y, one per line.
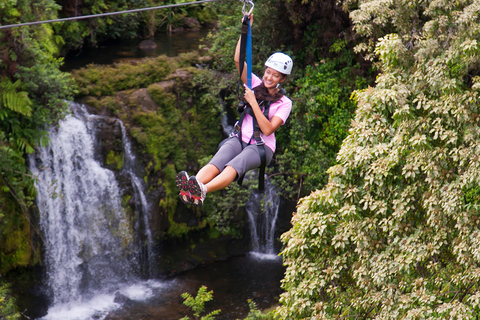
pixel 272 77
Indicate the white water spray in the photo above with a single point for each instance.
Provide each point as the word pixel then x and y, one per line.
pixel 262 209
pixel 90 249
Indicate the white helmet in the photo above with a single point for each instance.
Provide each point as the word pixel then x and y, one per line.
pixel 281 62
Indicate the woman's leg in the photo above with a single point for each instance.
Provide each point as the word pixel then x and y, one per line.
pixel 229 150
pixel 222 180
pixel 207 173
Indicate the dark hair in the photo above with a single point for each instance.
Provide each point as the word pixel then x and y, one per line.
pixel 261 93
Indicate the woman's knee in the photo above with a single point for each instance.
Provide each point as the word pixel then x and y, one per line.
pixel 207 173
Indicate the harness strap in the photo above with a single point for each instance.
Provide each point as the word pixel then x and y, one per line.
pixel 261 151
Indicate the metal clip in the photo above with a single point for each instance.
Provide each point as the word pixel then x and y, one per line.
pixel 258 138
pixel 236 129
pixel 260 142
pixel 245 4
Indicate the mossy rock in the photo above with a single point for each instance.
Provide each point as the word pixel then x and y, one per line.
pixel 173 122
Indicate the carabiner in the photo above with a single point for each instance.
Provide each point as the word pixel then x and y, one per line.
pixel 244 5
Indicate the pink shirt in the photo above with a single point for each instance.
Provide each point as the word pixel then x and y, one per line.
pixel 281 109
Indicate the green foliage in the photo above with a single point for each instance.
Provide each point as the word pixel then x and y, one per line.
pixel 225 209
pixel 255 314
pixel 13 100
pixel 115 160
pixel 267 33
pixel 314 26
pixel 395 232
pixel 90 32
pixel 106 80
pixel 321 115
pixel 32 96
pixel 197 304
pixel 8 309
pixel 224 39
pixel 15 109
pixel 17 195
pixel 203 13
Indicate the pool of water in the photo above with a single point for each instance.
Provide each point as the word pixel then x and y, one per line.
pixel 117 51
pixel 234 281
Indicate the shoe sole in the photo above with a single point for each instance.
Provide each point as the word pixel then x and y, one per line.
pixel 182 184
pixel 195 191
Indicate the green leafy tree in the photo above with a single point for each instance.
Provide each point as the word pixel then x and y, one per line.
pixel 395 233
pixel 197 304
pixel 32 96
pixel 320 118
pixel 90 32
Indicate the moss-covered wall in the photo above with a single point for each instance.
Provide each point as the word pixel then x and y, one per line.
pixel 17 247
pixel 172 112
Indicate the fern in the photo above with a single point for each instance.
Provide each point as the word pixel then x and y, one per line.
pixel 11 98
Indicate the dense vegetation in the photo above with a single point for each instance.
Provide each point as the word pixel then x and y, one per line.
pixel 34 93
pixel 394 234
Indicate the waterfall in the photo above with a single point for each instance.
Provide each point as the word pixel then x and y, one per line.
pixel 90 247
pixel 262 209
pixel 138 186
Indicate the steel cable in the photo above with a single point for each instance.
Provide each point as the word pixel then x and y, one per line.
pixel 103 14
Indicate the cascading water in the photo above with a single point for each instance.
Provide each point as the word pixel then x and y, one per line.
pixel 262 209
pixel 90 239
pixel 138 186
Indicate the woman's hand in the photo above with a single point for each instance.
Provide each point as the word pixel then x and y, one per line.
pixel 250 96
pixel 250 17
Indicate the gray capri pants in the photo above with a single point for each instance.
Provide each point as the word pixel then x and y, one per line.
pixel 230 153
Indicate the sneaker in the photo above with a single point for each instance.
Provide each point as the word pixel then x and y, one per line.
pixel 182 185
pixel 198 191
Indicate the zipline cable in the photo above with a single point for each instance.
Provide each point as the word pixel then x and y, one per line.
pixel 104 14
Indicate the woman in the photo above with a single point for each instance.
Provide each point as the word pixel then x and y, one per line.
pixel 235 156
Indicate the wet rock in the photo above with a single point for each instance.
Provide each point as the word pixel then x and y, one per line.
pixel 126 53
pixel 142 100
pixel 147 45
pixel 192 24
pixel 121 298
pixel 178 30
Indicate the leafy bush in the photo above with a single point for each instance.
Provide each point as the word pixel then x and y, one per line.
pixel 197 304
pixel 391 235
pixel 255 314
pixel 320 118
